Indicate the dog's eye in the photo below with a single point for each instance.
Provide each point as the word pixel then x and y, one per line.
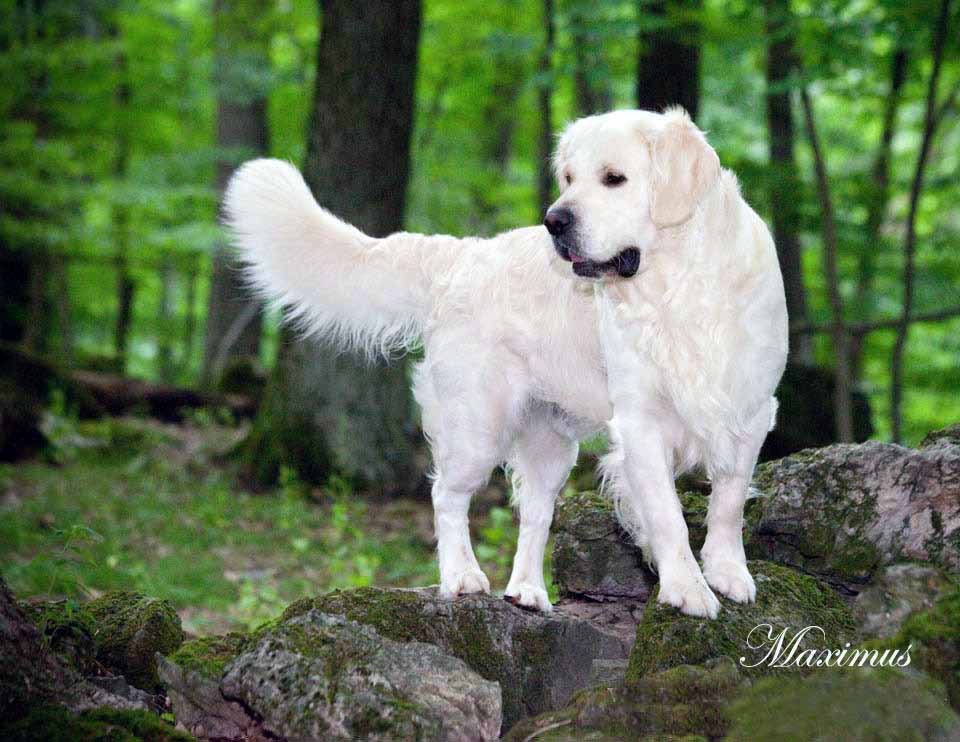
pixel 569 178
pixel 612 180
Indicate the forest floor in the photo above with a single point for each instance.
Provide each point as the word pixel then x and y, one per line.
pixel 133 504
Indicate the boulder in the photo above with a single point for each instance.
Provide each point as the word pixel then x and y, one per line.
pixel 843 511
pixel 786 600
pixel 594 558
pixel 896 593
pixel 538 660
pixel 130 629
pixel 316 676
pixel 845 704
pixel 684 702
pixel 32 676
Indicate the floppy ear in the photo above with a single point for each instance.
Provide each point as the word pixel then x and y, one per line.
pixel 685 166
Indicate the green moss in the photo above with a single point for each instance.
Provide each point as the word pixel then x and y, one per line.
pixel 680 703
pixel 209 655
pixel 843 705
pixel 68 628
pixel 934 638
pixel 56 724
pixel 785 599
pixel 130 630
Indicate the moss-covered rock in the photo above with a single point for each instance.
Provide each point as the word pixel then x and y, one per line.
pixel 949 435
pixel 594 557
pixel 538 660
pixel 684 702
pixel 209 655
pixel 68 628
pixel 786 599
pixel 896 593
pixel 130 629
pixel 934 638
pixel 56 724
pixel 316 676
pixel 847 704
pixel 843 511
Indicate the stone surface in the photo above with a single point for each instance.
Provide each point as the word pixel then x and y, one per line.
pixel 314 676
pixel 31 675
pixel 843 511
pixel 896 593
pixel 192 679
pixel 130 630
pixel 785 599
pixel 684 702
pixel 538 660
pixel 949 435
pixel 843 705
pixel 934 638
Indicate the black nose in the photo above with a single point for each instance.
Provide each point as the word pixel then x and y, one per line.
pixel 558 221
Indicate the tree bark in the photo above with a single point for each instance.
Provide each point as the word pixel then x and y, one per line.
pixel 591 78
pixel 327 412
pixel 784 183
pixel 545 104
pixel 668 67
pixel 121 214
pixel 843 388
pixel 931 119
pixel 240 45
pixel 878 200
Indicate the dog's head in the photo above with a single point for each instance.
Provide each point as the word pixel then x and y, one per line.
pixel 623 176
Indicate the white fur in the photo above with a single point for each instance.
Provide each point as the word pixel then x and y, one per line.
pixel 522 359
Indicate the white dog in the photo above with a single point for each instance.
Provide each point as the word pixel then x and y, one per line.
pixel 670 330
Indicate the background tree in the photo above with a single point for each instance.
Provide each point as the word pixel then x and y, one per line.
pixel 242 81
pixel 325 411
pixel 668 66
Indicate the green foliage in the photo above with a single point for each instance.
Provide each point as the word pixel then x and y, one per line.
pixel 56 724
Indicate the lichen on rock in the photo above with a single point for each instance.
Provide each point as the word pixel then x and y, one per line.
pixel 843 511
pixel 130 630
pixel 538 660
pixel 680 703
pixel 316 676
pixel 786 599
pixel 848 704
pixel 897 593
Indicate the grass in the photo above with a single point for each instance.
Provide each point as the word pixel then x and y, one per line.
pixel 136 505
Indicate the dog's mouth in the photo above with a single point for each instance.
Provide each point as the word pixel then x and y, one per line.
pixel 625 264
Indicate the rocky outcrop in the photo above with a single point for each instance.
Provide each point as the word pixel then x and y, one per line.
pixel 843 511
pixel 786 600
pixel 844 705
pixel 897 593
pixel 667 705
pixel 538 660
pixel 44 698
pixel 313 675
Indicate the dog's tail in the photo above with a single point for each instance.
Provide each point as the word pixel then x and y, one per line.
pixel 361 292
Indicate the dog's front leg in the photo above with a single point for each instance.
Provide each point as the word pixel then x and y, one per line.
pixel 649 491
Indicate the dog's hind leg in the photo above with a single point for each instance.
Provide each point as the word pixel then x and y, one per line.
pixel 541 461
pixel 724 561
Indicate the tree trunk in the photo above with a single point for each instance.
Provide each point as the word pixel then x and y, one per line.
pixel 544 98
pixel 879 197
pixel 932 117
pixel 121 214
pixel 784 183
pixel 234 319
pixel 843 387
pixel 165 324
pixel 668 67
pixel 328 412
pixel 591 78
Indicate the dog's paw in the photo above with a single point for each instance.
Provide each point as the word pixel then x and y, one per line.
pixel 525 595
pixel 730 578
pixel 470 580
pixel 688 591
